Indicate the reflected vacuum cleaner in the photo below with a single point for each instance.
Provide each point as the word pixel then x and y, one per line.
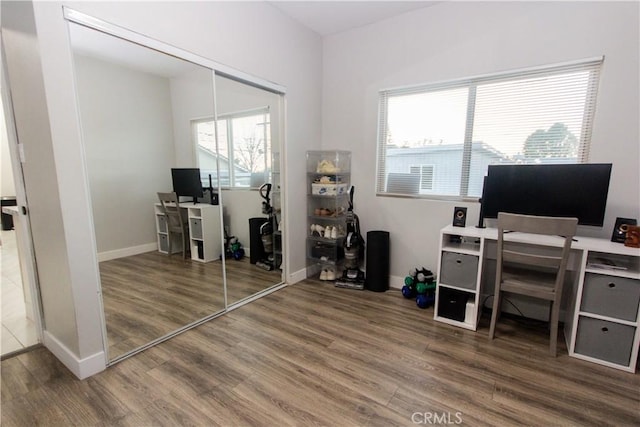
pixel 266 229
pixel 352 276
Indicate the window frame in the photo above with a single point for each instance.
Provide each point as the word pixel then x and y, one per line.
pixel 228 119
pixel 594 65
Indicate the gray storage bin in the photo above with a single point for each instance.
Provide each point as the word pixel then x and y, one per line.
pixel 459 270
pixel 603 340
pixel 195 224
pixel 164 242
pixel 162 223
pixel 611 296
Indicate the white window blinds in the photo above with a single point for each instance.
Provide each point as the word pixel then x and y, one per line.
pixel 540 115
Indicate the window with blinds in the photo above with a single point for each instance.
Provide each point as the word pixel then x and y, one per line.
pixel 437 140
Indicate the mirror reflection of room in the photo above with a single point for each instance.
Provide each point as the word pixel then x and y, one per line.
pixel 136 106
pixel 245 158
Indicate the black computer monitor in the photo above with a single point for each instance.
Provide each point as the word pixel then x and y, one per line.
pixel 560 190
pixel 187 183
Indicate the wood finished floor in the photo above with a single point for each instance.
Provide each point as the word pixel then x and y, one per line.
pixel 313 354
pixel 149 295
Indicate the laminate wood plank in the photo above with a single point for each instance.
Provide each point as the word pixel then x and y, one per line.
pixel 187 380
pixel 321 364
pixel 17 380
pixel 227 408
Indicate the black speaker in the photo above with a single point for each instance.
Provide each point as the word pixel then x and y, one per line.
pixel 377 279
pixel 620 229
pixel 255 241
pixel 459 216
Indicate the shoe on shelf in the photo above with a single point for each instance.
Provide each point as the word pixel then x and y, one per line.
pixel 323 275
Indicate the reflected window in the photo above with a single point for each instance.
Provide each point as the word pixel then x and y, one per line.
pixel 242 152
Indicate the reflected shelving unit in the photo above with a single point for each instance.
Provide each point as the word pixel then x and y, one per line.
pixel 328 182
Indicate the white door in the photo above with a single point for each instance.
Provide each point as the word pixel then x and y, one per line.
pixel 21 313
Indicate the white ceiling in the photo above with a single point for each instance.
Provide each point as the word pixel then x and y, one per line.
pixel 330 17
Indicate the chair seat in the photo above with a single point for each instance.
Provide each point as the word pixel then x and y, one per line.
pixel 537 284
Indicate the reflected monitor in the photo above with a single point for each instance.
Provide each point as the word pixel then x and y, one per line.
pixel 187 183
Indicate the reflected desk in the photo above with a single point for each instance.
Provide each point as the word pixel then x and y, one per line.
pixel 205 234
pixel 602 320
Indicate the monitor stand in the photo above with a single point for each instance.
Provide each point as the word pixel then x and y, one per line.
pixel 481 216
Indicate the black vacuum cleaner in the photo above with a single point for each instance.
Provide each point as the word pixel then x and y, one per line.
pixel 266 229
pixel 352 276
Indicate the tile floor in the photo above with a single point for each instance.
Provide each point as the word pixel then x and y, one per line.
pixel 17 332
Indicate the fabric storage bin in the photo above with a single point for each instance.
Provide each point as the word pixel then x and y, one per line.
pixel 162 223
pixel 459 270
pixel 611 296
pixel 164 243
pixel 604 340
pixel 195 225
pixel 452 303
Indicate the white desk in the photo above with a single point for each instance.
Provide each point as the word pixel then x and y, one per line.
pixel 205 235
pixel 602 323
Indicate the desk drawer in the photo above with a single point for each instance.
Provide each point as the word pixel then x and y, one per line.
pixel 611 296
pixel 460 270
pixel 603 340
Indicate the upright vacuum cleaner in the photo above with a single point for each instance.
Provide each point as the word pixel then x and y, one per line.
pixel 266 229
pixel 352 276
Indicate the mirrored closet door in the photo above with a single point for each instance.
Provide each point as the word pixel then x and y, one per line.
pixel 249 133
pixel 144 112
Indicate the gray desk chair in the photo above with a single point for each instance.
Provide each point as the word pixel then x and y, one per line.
pixel 520 270
pixel 176 222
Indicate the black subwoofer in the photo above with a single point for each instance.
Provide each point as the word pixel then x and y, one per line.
pixel 256 252
pixel 377 279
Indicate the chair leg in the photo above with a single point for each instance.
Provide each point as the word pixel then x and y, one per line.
pixel 184 247
pixel 169 239
pixel 555 314
pixel 494 314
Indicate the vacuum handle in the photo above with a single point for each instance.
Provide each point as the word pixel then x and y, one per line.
pixel 265 190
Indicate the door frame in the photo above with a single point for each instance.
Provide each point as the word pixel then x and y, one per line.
pixel 28 265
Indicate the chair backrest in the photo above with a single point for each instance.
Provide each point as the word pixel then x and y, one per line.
pixel 171 208
pixel 551 226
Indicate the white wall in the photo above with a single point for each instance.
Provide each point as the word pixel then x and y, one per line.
pixel 459 39
pixel 191 98
pixel 128 140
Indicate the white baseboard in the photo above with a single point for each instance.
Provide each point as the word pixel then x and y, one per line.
pixel 396 282
pixel 81 368
pixel 297 276
pixel 121 253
